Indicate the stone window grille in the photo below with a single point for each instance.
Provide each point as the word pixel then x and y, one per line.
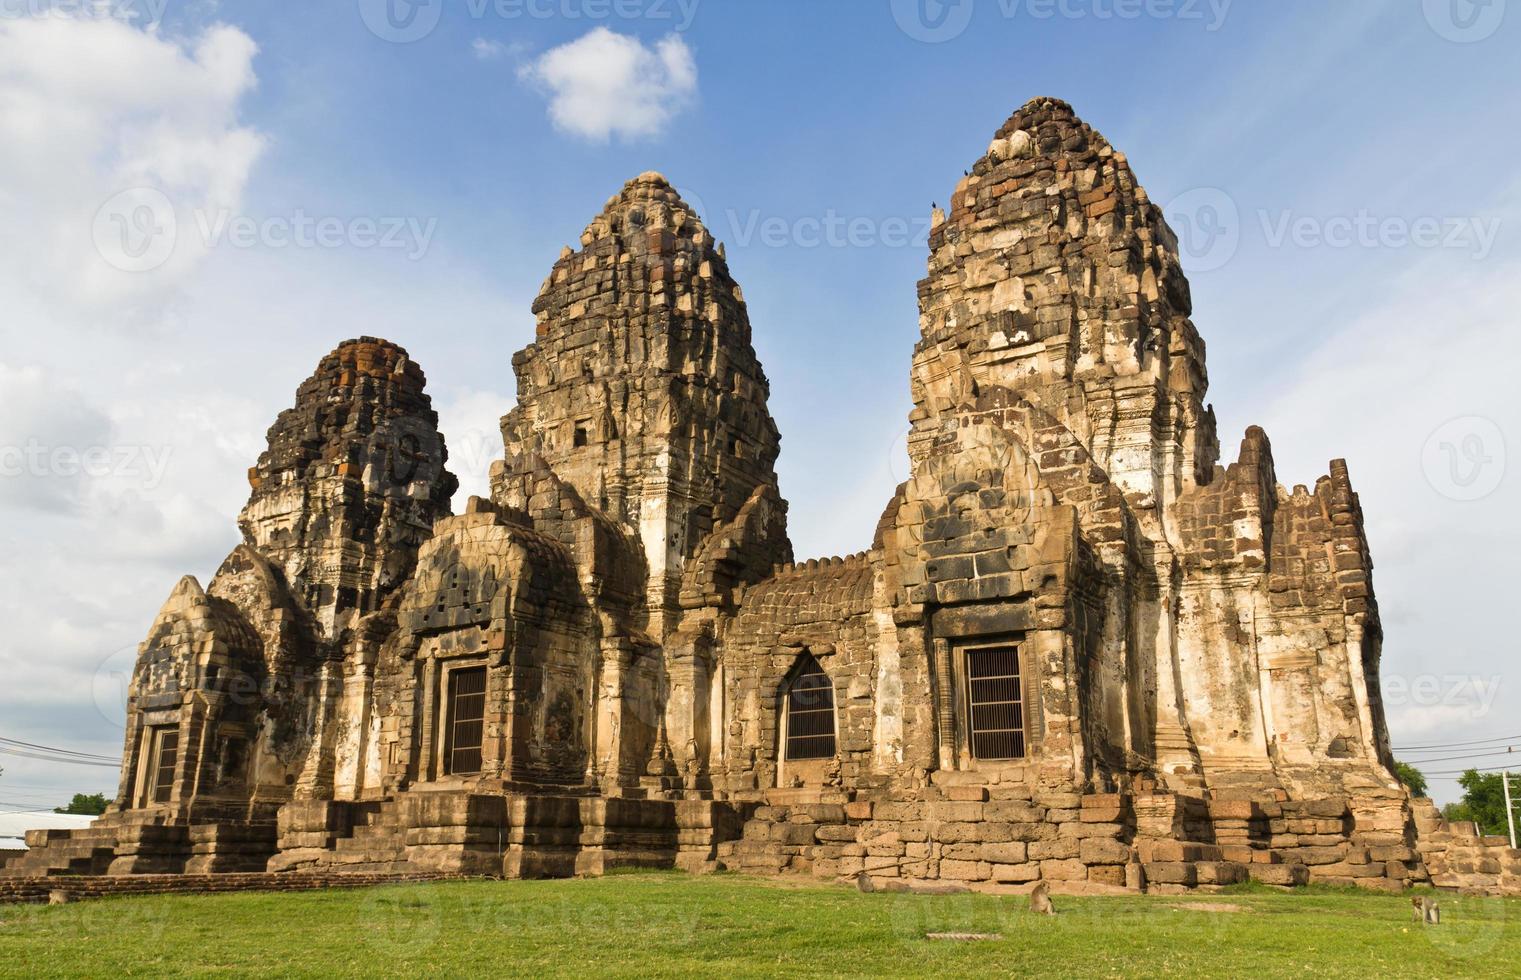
pixel 466 721
pixel 810 712
pixel 995 703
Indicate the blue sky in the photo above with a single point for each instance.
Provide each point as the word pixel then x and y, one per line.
pixel 1358 294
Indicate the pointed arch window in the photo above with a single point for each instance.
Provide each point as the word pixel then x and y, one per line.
pixel 810 712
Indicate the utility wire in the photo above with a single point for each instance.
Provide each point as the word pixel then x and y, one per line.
pixel 58 758
pixel 53 749
pixel 1466 755
pixel 1459 772
pixel 1455 745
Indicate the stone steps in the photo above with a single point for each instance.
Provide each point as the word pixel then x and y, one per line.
pixel 64 858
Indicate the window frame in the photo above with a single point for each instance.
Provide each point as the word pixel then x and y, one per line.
pixel 965 714
pixel 799 671
pixel 160 788
pixel 447 744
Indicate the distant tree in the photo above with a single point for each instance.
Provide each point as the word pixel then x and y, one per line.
pixel 1411 777
pixel 90 806
pixel 1483 801
pixel 1456 812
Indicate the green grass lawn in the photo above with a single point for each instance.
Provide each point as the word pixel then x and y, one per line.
pixel 729 925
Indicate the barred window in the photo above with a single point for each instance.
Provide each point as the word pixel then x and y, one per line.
pixel 166 754
pixel 466 722
pixel 810 712
pixel 995 703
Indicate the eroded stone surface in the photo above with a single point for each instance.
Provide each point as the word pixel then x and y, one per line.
pixel 616 661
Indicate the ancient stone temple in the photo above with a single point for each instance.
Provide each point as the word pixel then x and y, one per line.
pixel 1079 648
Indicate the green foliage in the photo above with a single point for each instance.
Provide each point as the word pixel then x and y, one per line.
pixel 1411 777
pixel 90 806
pixel 737 926
pixel 1484 800
pixel 1454 812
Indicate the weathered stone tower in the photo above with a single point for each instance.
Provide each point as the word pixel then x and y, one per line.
pixel 1077 650
pixel 641 389
pixel 351 483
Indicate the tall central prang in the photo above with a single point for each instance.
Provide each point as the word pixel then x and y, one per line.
pixel 641 389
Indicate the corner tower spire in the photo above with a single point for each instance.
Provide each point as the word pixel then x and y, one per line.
pixel 351 482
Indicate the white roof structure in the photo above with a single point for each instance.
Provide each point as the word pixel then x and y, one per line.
pixel 13 826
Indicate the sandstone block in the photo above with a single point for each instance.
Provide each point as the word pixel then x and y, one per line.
pixel 965 870
pixel 1015 873
pixel 955 812
pixel 1283 875
pixel 1099 850
pixel 1171 873
pixel 1067 870
pixel 1012 852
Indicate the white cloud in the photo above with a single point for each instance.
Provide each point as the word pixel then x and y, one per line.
pixel 471 423
pixel 45 430
pixel 120 462
pixel 487 50
pixel 607 84
pixel 1435 343
pixel 93 107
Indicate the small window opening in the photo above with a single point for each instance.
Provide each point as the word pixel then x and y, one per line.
pixel 466 721
pixel 810 712
pixel 166 755
pixel 995 703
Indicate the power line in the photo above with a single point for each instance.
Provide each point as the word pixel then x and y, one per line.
pixel 1455 745
pixel 28 797
pixel 56 751
pixel 53 758
pixel 1459 772
pixel 1465 755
